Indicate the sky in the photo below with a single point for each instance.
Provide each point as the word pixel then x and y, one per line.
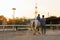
pixel 26 8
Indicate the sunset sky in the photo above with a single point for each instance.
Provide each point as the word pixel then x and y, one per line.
pixel 26 8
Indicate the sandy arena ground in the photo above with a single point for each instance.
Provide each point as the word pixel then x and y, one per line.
pixel 28 35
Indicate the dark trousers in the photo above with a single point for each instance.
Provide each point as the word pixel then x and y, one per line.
pixel 43 29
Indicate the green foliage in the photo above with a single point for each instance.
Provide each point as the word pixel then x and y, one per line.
pixel 21 21
pixel 53 20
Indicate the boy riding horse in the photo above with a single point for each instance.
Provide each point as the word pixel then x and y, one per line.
pixel 35 24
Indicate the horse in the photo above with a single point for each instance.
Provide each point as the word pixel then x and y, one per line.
pixel 35 24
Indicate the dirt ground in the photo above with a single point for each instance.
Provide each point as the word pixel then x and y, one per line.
pixel 28 35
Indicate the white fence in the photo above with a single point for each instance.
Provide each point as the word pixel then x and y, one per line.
pixel 52 25
pixel 13 26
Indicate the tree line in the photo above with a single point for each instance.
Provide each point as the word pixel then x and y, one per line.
pixel 51 19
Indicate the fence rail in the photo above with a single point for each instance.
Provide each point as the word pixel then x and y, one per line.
pixel 52 25
pixel 29 25
pixel 13 26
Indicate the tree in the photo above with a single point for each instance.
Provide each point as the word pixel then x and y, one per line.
pixel 3 20
pixel 52 19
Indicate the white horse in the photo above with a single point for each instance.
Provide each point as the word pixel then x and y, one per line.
pixel 36 23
